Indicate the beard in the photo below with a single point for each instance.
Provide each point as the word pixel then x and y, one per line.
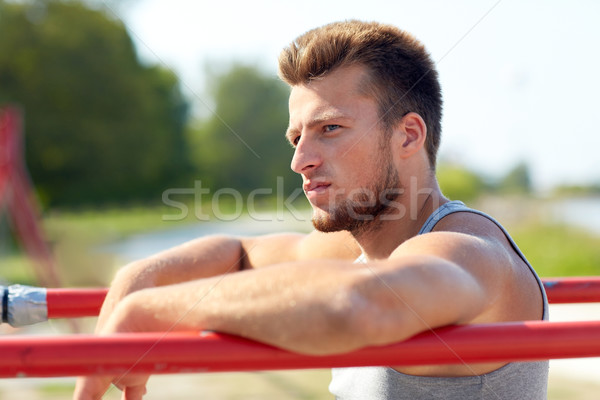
pixel 362 211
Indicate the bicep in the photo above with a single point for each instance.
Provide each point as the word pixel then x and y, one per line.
pixel 419 293
pixel 484 259
pixel 437 280
pixel 272 249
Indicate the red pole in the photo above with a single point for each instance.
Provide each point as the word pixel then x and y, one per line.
pixel 156 353
pixel 74 303
pixel 7 146
pixel 584 289
pixel 71 303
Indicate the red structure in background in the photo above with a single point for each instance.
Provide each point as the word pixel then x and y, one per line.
pixel 17 197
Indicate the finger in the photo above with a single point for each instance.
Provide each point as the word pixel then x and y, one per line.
pixel 131 380
pixel 134 392
pixel 90 387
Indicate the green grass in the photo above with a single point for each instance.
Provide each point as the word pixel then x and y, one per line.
pixel 559 250
pixel 57 388
pixel 16 269
pixel 107 224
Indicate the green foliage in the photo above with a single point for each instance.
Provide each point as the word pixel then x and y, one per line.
pixel 517 180
pixel 459 183
pixel 99 126
pixel 242 144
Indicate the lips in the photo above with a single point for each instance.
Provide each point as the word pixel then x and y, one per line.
pixel 315 186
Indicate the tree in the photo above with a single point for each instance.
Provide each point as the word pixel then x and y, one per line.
pixel 242 144
pixel 459 183
pixel 100 127
pixel 517 180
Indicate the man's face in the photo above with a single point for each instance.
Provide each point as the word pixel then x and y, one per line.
pixel 341 152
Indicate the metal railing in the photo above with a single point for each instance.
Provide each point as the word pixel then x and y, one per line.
pixel 161 353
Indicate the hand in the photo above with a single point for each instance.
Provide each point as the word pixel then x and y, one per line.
pixel 93 387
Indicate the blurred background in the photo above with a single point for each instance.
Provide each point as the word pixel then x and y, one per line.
pixel 148 123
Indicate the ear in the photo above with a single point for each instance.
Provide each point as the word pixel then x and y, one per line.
pixel 413 134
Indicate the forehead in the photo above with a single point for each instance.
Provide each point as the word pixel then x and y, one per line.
pixel 338 92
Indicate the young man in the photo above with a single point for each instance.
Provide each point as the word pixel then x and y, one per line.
pixel 365 109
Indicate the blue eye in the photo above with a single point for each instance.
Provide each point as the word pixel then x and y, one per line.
pixel 329 128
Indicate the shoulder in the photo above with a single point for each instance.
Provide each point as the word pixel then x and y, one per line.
pixel 481 248
pixel 465 231
pixel 464 235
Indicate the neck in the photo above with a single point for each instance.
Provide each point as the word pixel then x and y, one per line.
pixel 405 218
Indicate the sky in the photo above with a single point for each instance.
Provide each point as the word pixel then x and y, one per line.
pixel 519 78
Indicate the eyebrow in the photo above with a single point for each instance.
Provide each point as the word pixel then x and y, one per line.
pixel 290 133
pixel 317 120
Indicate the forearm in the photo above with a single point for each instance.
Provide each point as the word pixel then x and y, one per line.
pixel 150 295
pixel 315 307
pixel 300 307
pixel 200 258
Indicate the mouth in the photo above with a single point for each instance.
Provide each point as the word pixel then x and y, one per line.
pixel 315 188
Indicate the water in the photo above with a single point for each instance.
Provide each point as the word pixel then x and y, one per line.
pixel 583 212
pixel 143 245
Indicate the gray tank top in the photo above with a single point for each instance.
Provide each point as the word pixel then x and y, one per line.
pixel 518 380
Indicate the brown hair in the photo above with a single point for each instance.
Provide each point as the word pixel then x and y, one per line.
pixel 402 75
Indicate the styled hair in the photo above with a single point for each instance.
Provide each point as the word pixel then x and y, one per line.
pixel 401 74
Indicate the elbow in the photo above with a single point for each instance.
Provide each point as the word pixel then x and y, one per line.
pixel 351 321
pixel 131 314
pixel 133 277
pixel 339 328
pixel 379 316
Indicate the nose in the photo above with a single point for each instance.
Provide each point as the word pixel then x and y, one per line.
pixel 306 157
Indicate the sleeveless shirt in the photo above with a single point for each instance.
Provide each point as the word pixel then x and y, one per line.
pixel 516 380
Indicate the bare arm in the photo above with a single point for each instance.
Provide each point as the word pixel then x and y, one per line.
pixel 331 306
pixel 321 307
pixel 217 255
pixel 196 261
pixel 328 306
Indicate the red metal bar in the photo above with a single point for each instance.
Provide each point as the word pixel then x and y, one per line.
pixel 72 303
pixel 25 221
pixel 585 289
pixel 157 353
pixel 6 155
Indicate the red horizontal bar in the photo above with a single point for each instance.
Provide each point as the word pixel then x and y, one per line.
pixel 155 353
pixel 584 289
pixel 72 303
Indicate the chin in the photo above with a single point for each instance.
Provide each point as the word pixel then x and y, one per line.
pixel 325 225
pixel 323 222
